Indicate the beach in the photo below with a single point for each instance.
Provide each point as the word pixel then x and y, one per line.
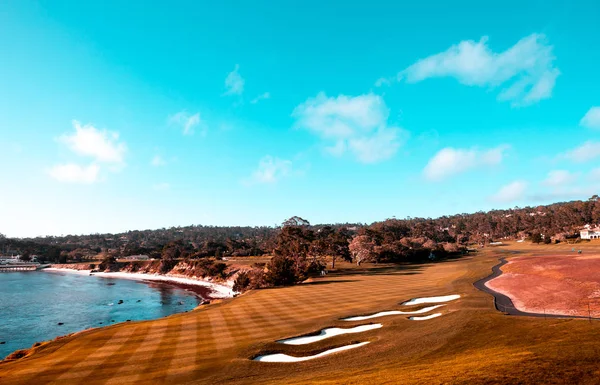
pixel 206 289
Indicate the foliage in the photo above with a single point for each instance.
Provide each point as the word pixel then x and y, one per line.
pixel 107 263
pixel 282 271
pixel 536 237
pixel 242 282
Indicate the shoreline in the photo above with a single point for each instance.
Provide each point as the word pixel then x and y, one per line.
pixel 504 303
pixel 211 290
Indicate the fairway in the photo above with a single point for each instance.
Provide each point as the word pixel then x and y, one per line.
pixel 470 342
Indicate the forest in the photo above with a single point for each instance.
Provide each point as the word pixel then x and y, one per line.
pixel 299 248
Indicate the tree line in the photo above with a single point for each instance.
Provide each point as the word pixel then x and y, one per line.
pixel 299 248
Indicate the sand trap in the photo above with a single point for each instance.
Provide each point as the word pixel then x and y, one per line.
pixel 425 318
pixel 328 333
pixel 280 357
pixel 444 298
pixel 391 312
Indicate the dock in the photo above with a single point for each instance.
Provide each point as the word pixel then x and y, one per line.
pixel 18 267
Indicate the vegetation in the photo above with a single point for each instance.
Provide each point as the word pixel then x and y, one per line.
pixel 301 249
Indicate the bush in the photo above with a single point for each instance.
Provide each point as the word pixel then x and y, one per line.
pixel 242 282
pixel 107 263
pixel 282 271
pixel 167 265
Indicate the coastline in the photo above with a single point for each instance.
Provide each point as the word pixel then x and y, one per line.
pixel 211 290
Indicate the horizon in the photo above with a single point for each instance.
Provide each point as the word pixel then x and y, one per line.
pixel 116 117
pixel 277 225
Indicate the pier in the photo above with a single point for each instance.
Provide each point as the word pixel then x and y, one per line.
pixel 18 267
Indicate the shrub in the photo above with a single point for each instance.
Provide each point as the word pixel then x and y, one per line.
pixel 242 282
pixel 282 271
pixel 107 263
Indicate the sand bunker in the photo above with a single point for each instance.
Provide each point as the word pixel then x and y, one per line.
pixel 280 357
pixel 444 298
pixel 328 333
pixel 391 312
pixel 425 318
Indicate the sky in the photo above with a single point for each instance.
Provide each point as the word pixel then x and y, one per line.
pixel 119 116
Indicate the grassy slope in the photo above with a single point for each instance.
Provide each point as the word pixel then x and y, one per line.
pixel 470 343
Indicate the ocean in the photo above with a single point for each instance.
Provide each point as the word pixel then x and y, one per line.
pixel 38 306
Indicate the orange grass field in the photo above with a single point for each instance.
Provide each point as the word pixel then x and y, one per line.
pixel 470 343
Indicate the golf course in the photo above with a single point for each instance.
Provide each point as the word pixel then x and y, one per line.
pixel 469 342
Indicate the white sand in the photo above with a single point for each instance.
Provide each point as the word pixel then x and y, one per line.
pixel 425 318
pixel 391 312
pixel 328 333
pixel 218 291
pixel 285 358
pixel 444 298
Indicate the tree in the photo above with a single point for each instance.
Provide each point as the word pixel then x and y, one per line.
pixel 295 221
pixel 536 237
pixel 362 249
pixel 281 271
pixel 26 256
pixel 329 242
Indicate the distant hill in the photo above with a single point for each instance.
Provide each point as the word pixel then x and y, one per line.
pixel 556 221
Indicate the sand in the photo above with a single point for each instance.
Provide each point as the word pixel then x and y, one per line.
pixel 419 301
pixel 328 333
pixel 285 358
pixel 425 318
pixel 392 312
pixel 218 290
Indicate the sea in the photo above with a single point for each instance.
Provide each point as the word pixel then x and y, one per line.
pixel 37 306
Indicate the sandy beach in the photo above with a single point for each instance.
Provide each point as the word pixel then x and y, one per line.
pixel 216 290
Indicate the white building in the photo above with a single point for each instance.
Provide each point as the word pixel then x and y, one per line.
pixel 590 232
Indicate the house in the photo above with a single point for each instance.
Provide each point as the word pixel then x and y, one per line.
pixel 590 232
pixel 139 257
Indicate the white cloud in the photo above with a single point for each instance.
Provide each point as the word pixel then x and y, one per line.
pixel 158 161
pixel 234 82
pixel 74 173
pixel 526 70
pixel 270 170
pixel 595 175
pixel 383 82
pixel 510 193
pixel 161 187
pixel 591 118
pixel 186 121
pixel 450 161
pixel 264 96
pixel 559 178
pixel 587 151
pixel 357 124
pixel 101 145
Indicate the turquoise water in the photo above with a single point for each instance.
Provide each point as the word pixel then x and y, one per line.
pixel 32 304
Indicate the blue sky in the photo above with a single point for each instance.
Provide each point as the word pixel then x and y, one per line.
pixel 118 116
